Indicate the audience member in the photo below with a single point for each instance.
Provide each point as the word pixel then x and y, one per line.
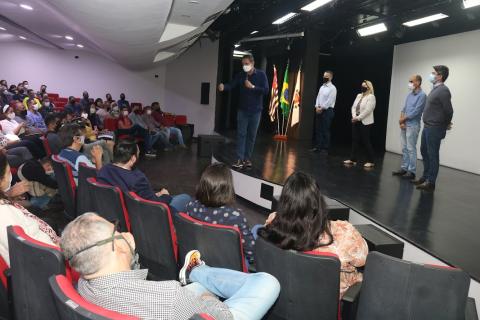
pixel 9 125
pixel 301 223
pixel 154 126
pixel 34 118
pixel 31 96
pixel 16 155
pixel 94 119
pixel 114 109
pixel 13 214
pixel 127 127
pixel 47 106
pixel 122 102
pixel 174 132
pixel 19 93
pixel 137 120
pixel 102 110
pixel 123 174
pixel 73 138
pixel 73 106
pixel 108 98
pixel 109 278
pixel 216 204
pixel 85 101
pixel 53 123
pixel 43 91
pixel 43 186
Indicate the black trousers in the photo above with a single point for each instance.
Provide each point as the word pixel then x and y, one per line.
pixel 323 122
pixel 361 135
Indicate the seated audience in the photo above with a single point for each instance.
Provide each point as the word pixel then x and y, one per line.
pixel 73 107
pixel 53 123
pixel 174 132
pixel 114 109
pixel 43 91
pixel 85 101
pixel 122 102
pixel 31 96
pixel 47 106
pixel 94 119
pixel 110 278
pixel 122 173
pixel 73 137
pixel 154 126
pixel 19 93
pixel 301 223
pixel 108 98
pixel 9 125
pixel 16 155
pixel 42 184
pixel 127 127
pixel 102 110
pixel 137 119
pixel 216 204
pixel 13 214
pixel 34 118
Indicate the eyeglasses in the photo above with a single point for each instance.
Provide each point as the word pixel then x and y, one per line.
pixel 102 242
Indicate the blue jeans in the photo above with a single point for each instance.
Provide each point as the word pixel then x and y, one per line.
pixel 177 133
pixel 248 295
pixel 247 126
pixel 409 137
pixel 323 122
pixel 430 148
pixel 180 201
pixel 40 202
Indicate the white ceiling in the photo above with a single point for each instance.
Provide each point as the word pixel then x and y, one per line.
pixel 135 33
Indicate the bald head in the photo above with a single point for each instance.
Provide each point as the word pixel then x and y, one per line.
pixel 416 80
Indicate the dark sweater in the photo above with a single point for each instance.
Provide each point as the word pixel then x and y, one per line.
pixel 130 180
pixel 438 109
pixel 32 170
pixel 250 100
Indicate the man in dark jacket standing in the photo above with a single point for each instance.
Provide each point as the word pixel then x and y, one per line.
pixel 253 85
pixel 437 119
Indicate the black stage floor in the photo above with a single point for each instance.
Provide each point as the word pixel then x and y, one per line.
pixel 445 223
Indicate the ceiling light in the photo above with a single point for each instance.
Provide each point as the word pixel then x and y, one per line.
pixel 470 3
pixel 285 18
pixel 240 53
pixel 69 38
pixel 367 31
pixel 315 5
pixel 22 37
pixel 237 45
pixel 425 20
pixel 193 1
pixel 80 45
pixel 254 31
pixel 3 29
pixel 26 6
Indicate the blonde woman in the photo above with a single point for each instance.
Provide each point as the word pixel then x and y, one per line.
pixel 362 121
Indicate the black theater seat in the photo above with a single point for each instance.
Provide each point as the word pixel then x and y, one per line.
pixel 310 282
pixel 71 306
pixel 396 289
pixel 66 186
pixel 85 201
pixel 336 210
pixel 221 246
pixel 381 241
pixel 5 307
pixel 155 238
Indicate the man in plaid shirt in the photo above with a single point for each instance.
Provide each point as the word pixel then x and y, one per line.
pixel 106 261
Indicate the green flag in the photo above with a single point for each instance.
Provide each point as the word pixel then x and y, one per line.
pixel 284 99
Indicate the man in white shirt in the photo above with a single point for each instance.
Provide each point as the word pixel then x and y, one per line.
pixel 327 95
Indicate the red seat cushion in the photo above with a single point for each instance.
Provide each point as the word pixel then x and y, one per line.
pixel 180 119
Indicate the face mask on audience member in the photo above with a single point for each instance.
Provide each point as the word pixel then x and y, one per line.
pixel 72 101
pixel 46 103
pixel 85 96
pixel 84 115
pixel 122 97
pixel 93 110
pixel 11 115
pixel 149 112
pixel 247 68
pixel 25 86
pixel 9 186
pixel 35 107
pixel 125 113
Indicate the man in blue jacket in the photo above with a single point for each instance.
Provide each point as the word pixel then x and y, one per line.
pixel 253 85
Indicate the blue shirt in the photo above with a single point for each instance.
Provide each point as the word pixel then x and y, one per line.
pixel 414 106
pixel 250 100
pixel 327 95
pixel 123 103
pixel 35 120
pixel 74 158
pixel 75 108
pixel 225 215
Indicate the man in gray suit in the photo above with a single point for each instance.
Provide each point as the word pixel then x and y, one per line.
pixel 437 119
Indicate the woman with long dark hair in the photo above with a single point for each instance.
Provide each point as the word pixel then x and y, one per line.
pixel 301 223
pixel 11 213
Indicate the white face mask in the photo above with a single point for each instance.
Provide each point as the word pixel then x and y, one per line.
pixel 9 182
pixel 410 86
pixel 93 110
pixel 25 86
pixel 247 67
pixel 47 103
pixel 35 107
pixel 149 112
pixel 125 113
pixel 11 115
pixel 81 139
pixel 84 115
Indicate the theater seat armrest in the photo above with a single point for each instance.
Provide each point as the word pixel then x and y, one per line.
pixel 252 269
pixel 471 310
pixel 352 293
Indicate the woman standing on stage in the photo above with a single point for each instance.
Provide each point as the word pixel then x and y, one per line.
pixel 362 121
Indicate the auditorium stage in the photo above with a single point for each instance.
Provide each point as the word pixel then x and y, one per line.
pixel 446 223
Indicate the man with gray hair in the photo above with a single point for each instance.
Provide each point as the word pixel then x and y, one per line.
pixel 110 278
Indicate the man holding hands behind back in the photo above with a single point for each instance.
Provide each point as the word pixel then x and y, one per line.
pixel 410 127
pixel 327 95
pixel 253 85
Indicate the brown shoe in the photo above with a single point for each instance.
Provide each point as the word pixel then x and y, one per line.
pixel 426 186
pixel 418 182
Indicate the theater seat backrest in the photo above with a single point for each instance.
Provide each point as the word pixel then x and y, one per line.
pixel 152 227
pixel 66 186
pixel 31 264
pixel 109 203
pixel 221 246
pixel 46 146
pixel 71 306
pixel 85 202
pixel 310 282
pixel 396 289
pixel 110 124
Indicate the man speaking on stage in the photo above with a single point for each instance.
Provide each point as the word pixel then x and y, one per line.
pixel 253 85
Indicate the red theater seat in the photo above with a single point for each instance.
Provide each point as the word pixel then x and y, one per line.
pixel 53 96
pixel 168 120
pixel 70 305
pixel 110 124
pixel 221 246
pixel 180 120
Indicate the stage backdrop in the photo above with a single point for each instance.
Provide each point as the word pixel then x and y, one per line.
pixel 460 52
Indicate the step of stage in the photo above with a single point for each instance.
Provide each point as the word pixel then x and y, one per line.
pixel 336 210
pixel 380 241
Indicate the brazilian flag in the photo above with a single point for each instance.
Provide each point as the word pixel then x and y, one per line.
pixel 285 99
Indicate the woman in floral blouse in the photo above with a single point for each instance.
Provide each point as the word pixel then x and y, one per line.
pixel 12 213
pixel 301 223
pixel 214 204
